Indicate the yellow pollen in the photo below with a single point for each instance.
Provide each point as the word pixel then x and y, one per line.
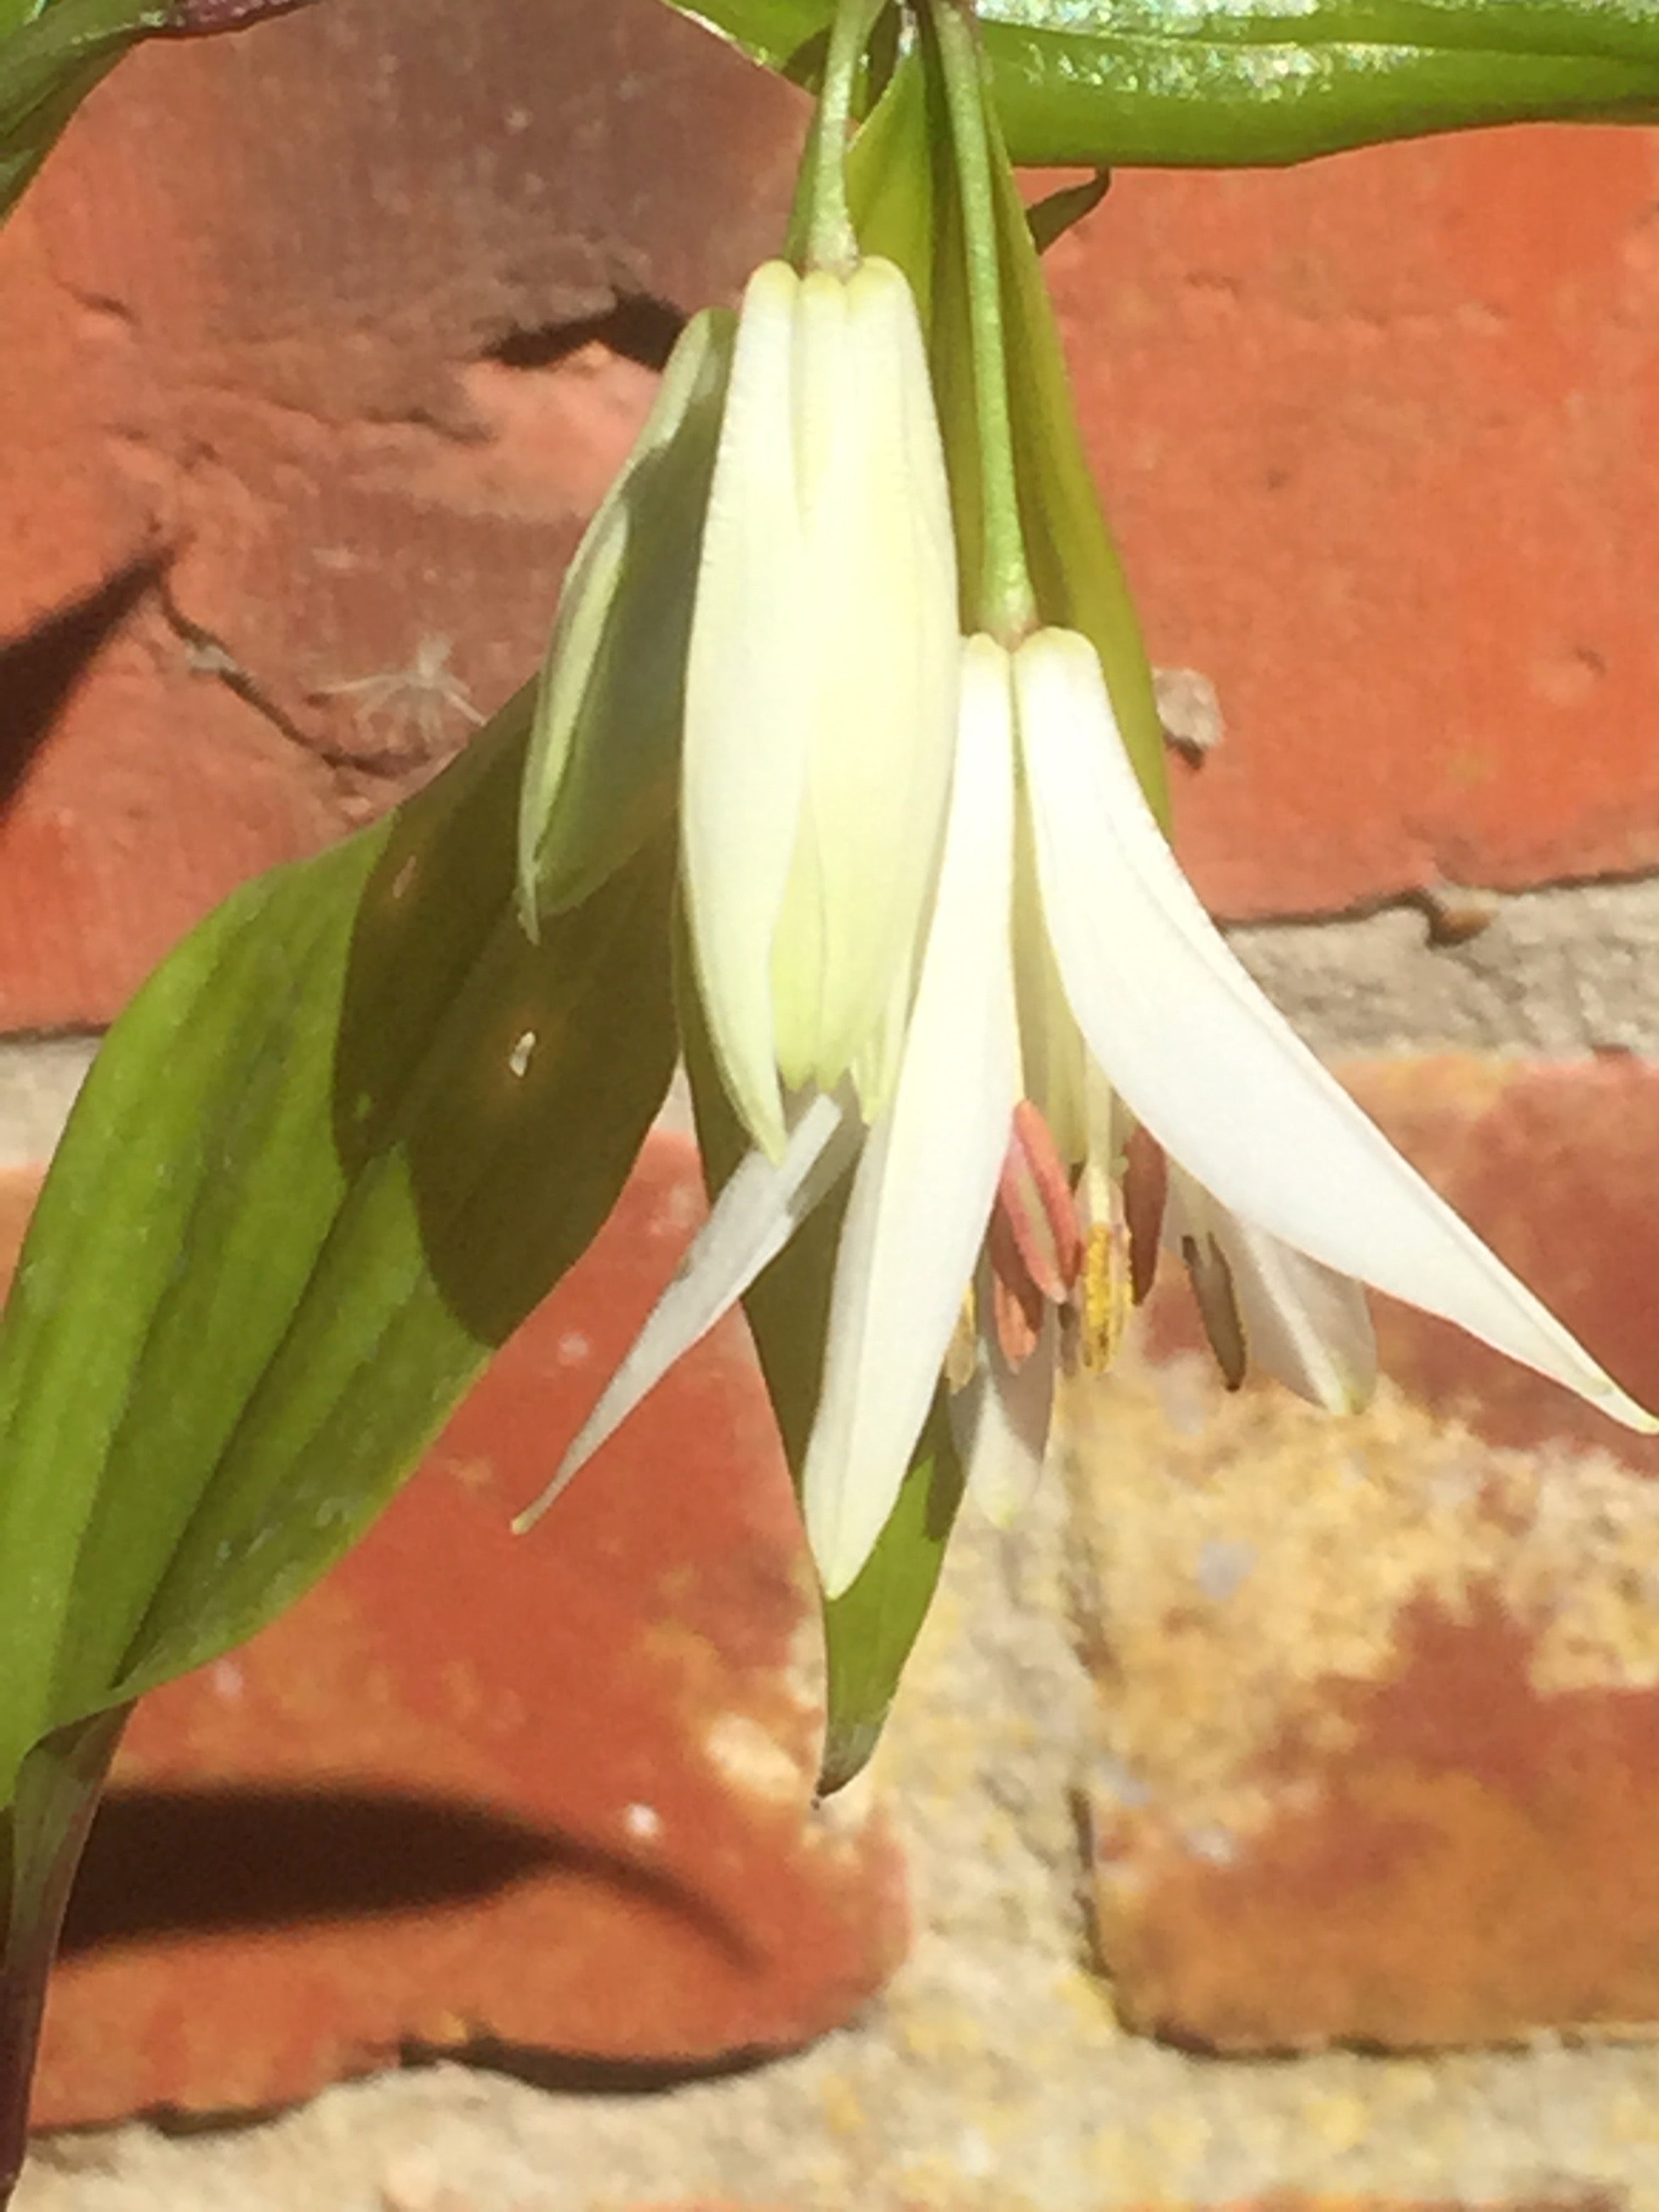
pixel 1107 1300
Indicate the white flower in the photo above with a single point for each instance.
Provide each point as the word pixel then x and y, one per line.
pixel 820 691
pixel 1068 963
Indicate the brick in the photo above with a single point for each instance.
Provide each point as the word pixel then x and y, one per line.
pixel 1366 429
pixel 304 469
pixel 155 794
pixel 19 1187
pixel 72 520
pixel 1380 1721
pixel 487 1795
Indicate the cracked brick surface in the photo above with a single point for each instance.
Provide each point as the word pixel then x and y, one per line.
pixel 327 339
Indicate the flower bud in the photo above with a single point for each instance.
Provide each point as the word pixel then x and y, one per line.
pixel 820 691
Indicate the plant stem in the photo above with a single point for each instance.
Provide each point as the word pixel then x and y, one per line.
pixel 831 242
pixel 1008 605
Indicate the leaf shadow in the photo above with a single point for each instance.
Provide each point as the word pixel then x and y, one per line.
pixel 40 672
pixel 227 1861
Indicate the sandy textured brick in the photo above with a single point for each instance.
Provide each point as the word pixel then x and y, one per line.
pixel 1380 1697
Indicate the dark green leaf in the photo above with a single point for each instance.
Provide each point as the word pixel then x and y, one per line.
pixel 337 1148
pixel 1183 83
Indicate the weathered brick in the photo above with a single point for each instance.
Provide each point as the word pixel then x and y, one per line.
pixel 303 468
pixel 1375 433
pixel 1380 1713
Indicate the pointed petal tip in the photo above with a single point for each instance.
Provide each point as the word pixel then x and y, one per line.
pixel 564 1474
pixel 1605 1395
pixel 763 1204
pixel 1293 1155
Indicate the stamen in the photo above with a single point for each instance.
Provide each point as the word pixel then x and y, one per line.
pixel 1211 1281
pixel 1145 1190
pixel 1035 1198
pixel 1106 1302
pixel 1016 1303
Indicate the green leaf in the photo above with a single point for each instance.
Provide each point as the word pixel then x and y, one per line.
pixel 49 59
pixel 335 1152
pixel 1182 83
pixel 1247 82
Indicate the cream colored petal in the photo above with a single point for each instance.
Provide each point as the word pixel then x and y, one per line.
pixel 1000 1418
pixel 923 1191
pixel 749 703
pixel 1215 1073
pixel 1054 1061
pixel 753 1219
pixel 882 587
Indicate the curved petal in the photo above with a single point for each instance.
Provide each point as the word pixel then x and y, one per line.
pixel 753 1219
pixel 1217 1074
pixel 923 1191
pixel 749 703
pixel 999 1418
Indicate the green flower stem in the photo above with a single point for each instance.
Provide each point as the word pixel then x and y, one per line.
pixel 829 240
pixel 1008 604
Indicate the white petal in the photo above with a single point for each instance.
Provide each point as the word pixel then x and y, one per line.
pixel 880 585
pixel 752 1219
pixel 1304 1324
pixel 923 1191
pixel 1215 1073
pixel 749 707
pixel 1000 1419
pixel 1056 1075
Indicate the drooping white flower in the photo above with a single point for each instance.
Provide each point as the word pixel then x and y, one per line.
pixel 820 707
pixel 1068 965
